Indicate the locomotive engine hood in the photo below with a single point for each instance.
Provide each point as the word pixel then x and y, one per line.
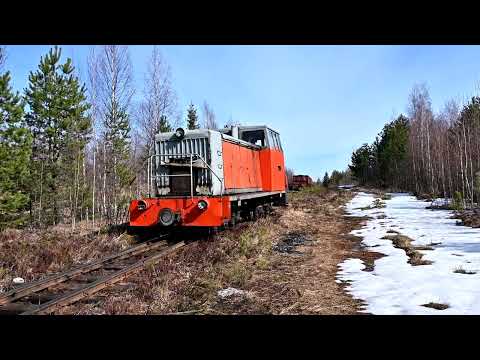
pixel 187 162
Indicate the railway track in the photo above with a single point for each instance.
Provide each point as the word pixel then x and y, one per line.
pixel 50 294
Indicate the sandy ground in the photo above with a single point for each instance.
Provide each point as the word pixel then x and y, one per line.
pixel 285 263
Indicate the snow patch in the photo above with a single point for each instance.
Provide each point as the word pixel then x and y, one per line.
pixel 395 286
pixel 224 293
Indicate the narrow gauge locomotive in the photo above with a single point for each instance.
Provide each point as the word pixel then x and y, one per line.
pixel 211 178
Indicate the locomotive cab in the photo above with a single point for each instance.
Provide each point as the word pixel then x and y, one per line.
pixel 205 177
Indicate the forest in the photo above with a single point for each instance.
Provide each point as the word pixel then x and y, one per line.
pixel 73 149
pixel 429 154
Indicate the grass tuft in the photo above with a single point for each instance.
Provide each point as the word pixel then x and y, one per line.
pixel 237 275
pixel 377 204
pixel 436 306
pixel 405 243
pixel 461 270
pixel 386 196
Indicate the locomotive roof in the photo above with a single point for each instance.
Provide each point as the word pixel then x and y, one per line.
pixel 205 132
pixel 249 127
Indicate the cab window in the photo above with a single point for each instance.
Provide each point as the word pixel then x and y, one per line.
pixel 256 137
pixel 271 139
pixel 278 142
pixel 274 140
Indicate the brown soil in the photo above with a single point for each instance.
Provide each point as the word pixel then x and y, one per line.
pixel 469 218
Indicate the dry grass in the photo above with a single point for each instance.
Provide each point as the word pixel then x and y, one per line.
pixel 244 258
pixel 390 231
pixel 376 204
pixel 470 218
pixel 436 306
pixel 461 270
pixel 405 243
pixel 35 254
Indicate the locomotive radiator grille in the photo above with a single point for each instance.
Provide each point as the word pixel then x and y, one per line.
pixel 181 150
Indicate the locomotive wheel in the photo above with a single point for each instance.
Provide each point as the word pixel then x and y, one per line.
pixel 247 215
pixel 259 212
pixel 267 208
pixel 233 221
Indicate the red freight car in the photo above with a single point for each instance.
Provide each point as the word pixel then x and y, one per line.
pixel 300 181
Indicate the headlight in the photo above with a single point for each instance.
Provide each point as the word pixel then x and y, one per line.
pixel 166 217
pixel 202 204
pixel 142 205
pixel 180 133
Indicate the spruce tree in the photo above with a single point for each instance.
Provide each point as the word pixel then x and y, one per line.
pixel 164 124
pixel 60 127
pixel 117 141
pixel 15 143
pixel 326 179
pixel 192 118
pixel 117 138
pixel 361 164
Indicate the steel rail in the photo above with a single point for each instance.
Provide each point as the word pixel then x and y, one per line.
pixel 28 289
pixel 102 283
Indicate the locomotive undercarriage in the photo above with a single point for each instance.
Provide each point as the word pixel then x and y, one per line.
pixel 255 208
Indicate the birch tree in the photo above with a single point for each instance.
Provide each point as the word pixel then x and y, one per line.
pixel 114 81
pixel 159 109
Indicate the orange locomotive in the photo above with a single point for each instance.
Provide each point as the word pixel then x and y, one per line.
pixel 210 178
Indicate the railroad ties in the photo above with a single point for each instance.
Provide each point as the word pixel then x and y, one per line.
pixel 50 294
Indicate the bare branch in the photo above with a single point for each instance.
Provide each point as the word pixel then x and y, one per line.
pixel 159 109
pixel 3 56
pixel 209 117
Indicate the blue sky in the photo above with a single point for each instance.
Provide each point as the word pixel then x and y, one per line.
pixel 324 100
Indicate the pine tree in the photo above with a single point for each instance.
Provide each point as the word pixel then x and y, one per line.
pixel 391 151
pixel 15 143
pixel 164 124
pixel 192 118
pixel 60 127
pixel 335 177
pixel 361 164
pixel 117 140
pixel 326 179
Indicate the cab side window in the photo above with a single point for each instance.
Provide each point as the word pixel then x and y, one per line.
pixel 271 139
pixel 278 142
pixel 274 140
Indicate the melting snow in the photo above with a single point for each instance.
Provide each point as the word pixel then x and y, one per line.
pixel 395 286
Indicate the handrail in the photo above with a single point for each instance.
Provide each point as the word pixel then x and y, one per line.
pixel 191 155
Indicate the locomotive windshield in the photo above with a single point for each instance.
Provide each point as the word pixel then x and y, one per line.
pixel 256 137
